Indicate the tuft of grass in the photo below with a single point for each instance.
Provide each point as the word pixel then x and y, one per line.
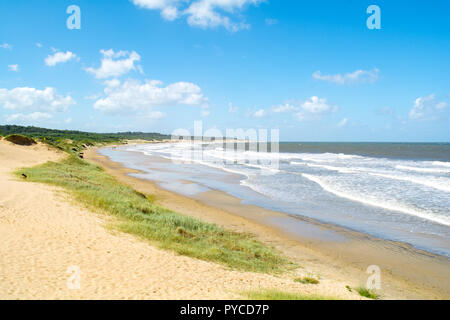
pixel 137 214
pixel 307 280
pixel 20 140
pixel 272 294
pixel 368 293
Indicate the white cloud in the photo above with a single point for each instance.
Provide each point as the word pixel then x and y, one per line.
pixel 343 123
pixel 155 4
pixel 39 45
pixel 133 95
pixel 93 96
pixel 31 99
pixel 200 13
pixel 113 66
pixel 358 76
pixel 59 57
pixel 309 109
pixel 426 107
pixel 27 118
pixel 6 46
pixel 282 108
pixel 155 115
pixel 315 107
pixel 205 113
pixel 441 105
pixel 112 83
pixel 170 13
pixel 260 113
pixel 231 108
pixel 13 67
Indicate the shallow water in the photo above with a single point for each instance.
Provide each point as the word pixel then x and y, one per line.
pixel 399 192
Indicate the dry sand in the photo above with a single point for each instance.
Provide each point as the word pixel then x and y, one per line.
pixel 43 233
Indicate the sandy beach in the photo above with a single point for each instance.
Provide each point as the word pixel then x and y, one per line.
pixel 43 234
pixel 225 150
pixel 342 262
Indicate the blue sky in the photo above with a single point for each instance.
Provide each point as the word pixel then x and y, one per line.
pixel 309 68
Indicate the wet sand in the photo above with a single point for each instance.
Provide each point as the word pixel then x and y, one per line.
pixel 328 251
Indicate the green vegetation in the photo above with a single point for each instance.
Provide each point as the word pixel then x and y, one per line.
pixel 272 294
pixel 139 215
pixel 368 293
pixel 73 141
pixel 52 134
pixel 20 140
pixel 307 280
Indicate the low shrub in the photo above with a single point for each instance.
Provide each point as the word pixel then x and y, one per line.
pixel 20 140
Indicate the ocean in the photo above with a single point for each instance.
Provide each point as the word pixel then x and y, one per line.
pixel 394 191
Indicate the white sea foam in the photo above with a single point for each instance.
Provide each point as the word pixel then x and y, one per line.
pixel 346 176
pixel 443 186
pixel 422 169
pixel 385 197
pixel 441 163
pixel 444 220
pixel 297 163
pixel 331 168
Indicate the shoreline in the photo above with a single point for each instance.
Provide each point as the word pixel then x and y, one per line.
pixel 46 236
pixel 345 259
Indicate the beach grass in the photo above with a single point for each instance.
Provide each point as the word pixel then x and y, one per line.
pixel 368 293
pixel 273 294
pixel 138 214
pixel 307 280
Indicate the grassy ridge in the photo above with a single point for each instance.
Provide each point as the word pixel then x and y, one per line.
pixel 60 138
pixel 368 293
pixel 52 134
pixel 272 294
pixel 139 215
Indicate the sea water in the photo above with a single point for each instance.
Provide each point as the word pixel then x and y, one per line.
pixel 396 191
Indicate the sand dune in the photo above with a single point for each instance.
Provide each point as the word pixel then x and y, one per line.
pixel 43 233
